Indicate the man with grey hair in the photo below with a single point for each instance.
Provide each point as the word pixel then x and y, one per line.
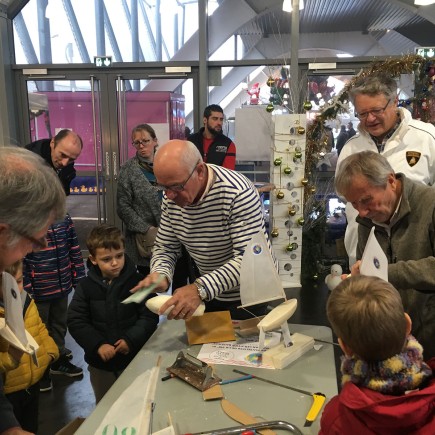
pixel 212 211
pixel 403 214
pixel 32 197
pixel 408 144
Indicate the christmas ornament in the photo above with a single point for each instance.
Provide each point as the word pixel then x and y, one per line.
pixel 269 108
pixel 287 170
pixel 291 211
pixel 300 130
pixel 280 194
pixel 301 221
pixel 278 161
pixel 308 105
pixel 275 232
pixel 304 181
pixel 334 278
pixel 270 81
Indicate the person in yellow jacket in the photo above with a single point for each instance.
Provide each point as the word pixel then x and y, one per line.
pixel 21 375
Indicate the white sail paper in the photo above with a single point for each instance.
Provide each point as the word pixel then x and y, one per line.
pixel 12 326
pixel 131 412
pixel 374 262
pixel 259 279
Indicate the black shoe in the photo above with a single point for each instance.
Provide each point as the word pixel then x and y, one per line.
pixel 67 353
pixel 45 384
pixel 64 367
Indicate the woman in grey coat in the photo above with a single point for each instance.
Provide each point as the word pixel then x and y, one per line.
pixel 138 202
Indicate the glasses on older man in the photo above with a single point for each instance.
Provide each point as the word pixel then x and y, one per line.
pixel 374 112
pixel 37 244
pixel 177 187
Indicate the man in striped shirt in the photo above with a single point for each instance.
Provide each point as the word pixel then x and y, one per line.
pixel 213 212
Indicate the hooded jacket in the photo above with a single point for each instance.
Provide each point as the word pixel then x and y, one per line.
pixel 96 316
pixel 361 411
pixel 53 272
pixel 27 373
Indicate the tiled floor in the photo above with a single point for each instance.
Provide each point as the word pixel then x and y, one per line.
pixel 72 398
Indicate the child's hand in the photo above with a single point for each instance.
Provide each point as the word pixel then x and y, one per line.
pixel 121 346
pixel 106 352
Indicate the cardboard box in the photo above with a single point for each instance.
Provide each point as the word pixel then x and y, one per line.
pixel 71 427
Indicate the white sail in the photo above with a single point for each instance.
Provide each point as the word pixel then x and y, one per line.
pixel 259 279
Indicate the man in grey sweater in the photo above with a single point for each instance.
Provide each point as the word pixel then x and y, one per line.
pixel 403 214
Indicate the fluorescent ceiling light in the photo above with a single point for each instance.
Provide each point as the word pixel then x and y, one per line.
pixel 344 55
pixel 424 2
pixel 287 5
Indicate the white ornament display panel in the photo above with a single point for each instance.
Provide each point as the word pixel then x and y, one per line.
pixel 287 173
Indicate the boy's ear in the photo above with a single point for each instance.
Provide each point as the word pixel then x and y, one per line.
pixel 408 324
pixel 345 348
pixel 92 260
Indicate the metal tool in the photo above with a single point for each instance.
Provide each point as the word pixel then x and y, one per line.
pixel 283 425
pixel 194 371
pixel 318 398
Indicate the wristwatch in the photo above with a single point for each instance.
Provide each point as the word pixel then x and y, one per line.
pixel 201 289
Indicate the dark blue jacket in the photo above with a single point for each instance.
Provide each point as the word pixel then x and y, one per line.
pixel 96 316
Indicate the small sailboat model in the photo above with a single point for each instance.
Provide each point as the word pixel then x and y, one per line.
pixel 260 283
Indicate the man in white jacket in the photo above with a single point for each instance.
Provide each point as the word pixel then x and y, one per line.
pixel 407 144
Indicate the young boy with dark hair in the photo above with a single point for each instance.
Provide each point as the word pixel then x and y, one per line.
pixel 387 388
pixel 111 333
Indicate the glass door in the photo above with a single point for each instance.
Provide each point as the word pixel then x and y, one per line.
pixel 103 108
pixel 76 105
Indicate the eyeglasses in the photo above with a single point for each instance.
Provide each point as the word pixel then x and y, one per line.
pixel 138 143
pixel 177 187
pixel 374 112
pixel 37 244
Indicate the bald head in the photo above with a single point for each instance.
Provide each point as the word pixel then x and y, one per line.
pixel 177 153
pixel 178 166
pixel 66 147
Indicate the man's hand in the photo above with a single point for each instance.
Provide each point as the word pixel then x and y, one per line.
pixel 162 286
pixel 121 346
pixel 355 268
pixel 106 352
pixel 185 301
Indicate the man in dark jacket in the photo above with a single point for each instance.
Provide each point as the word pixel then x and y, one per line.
pixel 213 145
pixel 60 152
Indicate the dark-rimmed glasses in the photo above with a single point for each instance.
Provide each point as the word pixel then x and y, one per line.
pixel 143 142
pixel 374 112
pixel 177 187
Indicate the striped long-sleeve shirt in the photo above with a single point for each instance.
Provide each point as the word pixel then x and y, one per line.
pixel 215 232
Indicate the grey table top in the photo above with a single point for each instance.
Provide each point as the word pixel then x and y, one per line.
pixel 314 372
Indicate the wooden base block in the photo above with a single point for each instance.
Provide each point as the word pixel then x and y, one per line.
pixel 280 356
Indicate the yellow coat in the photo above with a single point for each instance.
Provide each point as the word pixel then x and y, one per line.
pixel 27 373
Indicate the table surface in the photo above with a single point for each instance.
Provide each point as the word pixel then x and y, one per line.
pixel 314 372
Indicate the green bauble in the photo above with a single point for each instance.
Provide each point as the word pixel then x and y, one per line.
pixel 301 221
pixel 278 161
pixel 289 247
pixel 269 108
pixel 287 170
pixel 308 105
